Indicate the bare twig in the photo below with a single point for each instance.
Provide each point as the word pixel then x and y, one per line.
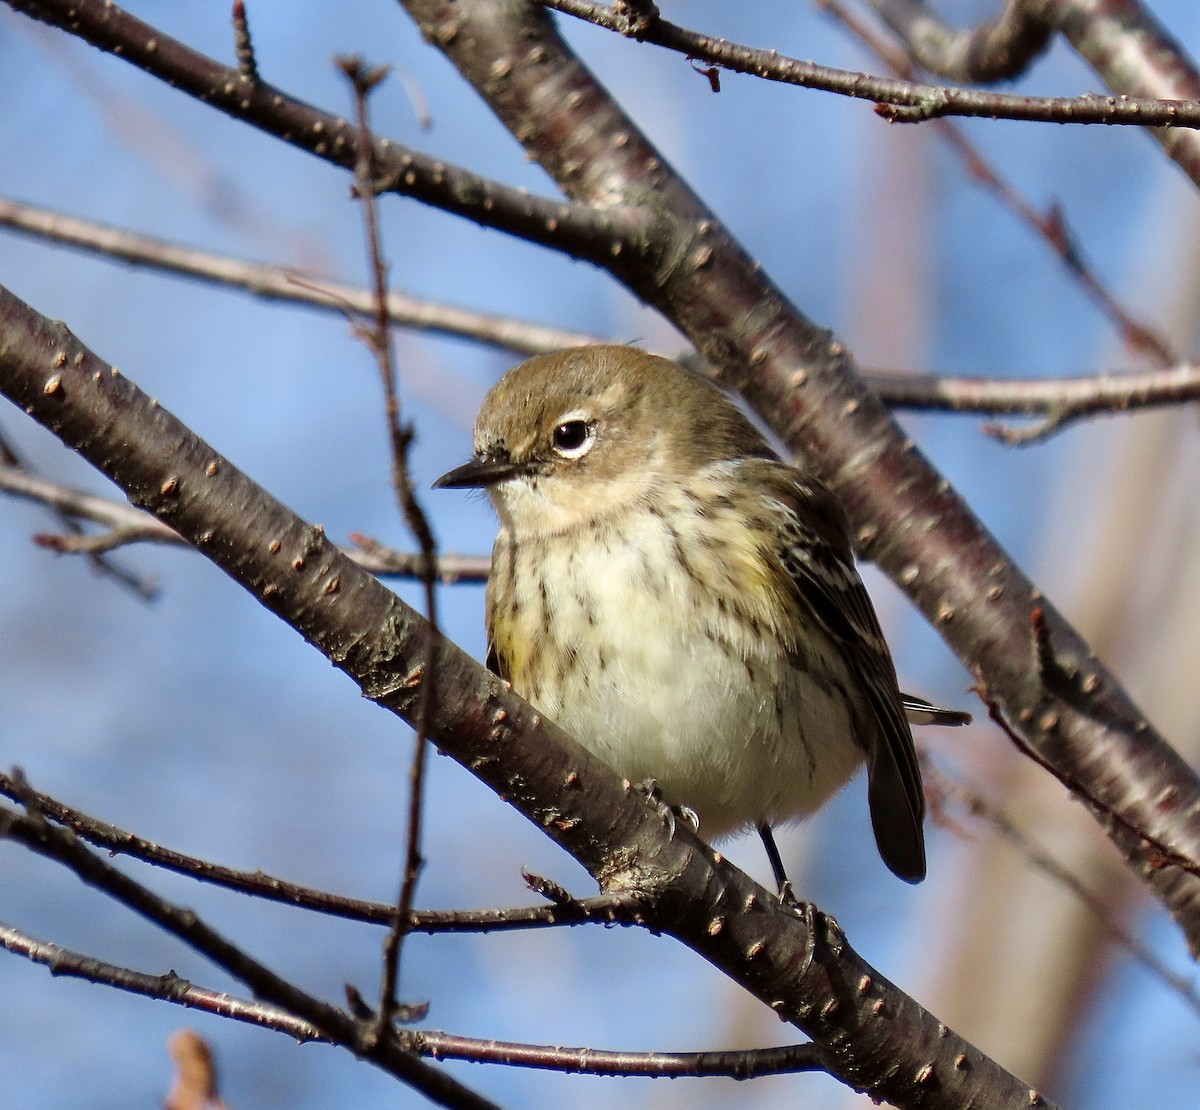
pixel 1051 225
pixel 604 909
pixel 283 283
pixel 126 524
pixel 383 560
pixel 61 845
pixel 16 477
pixel 896 100
pixel 1060 401
pixel 168 987
pixel 378 337
pixel 243 45
pixel 1160 854
pixel 1063 400
pixel 739 1064
pixel 735 1063
pixel 937 781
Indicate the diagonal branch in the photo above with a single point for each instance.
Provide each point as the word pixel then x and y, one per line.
pixel 803 383
pixel 579 230
pixel 878 1040
pixel 736 1063
pixel 61 845
pixel 1132 52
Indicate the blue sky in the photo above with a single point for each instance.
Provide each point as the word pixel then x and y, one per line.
pixel 202 722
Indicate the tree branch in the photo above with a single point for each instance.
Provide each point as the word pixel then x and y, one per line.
pixel 1124 43
pixel 283 283
pixel 735 1063
pixel 579 230
pixel 62 846
pixel 803 383
pixel 896 100
pixel 1061 400
pixel 801 965
pixel 996 50
pixel 127 524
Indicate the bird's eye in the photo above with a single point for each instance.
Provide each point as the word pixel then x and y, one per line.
pixel 573 438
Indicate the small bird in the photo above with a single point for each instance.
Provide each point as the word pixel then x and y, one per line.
pixel 685 604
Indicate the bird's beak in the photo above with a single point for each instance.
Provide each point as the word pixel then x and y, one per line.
pixel 479 474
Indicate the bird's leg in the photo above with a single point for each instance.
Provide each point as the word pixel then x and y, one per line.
pixel 781 880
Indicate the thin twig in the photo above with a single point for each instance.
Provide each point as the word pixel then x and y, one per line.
pixel 127 524
pixel 378 337
pixel 167 987
pixel 62 846
pixel 1159 852
pixel 896 100
pixel 284 283
pixel 1051 226
pixel 739 1064
pixel 14 473
pixel 1060 401
pixel 603 909
pixel 734 1063
pixel 938 781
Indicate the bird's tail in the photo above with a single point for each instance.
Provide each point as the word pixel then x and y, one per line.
pixel 921 712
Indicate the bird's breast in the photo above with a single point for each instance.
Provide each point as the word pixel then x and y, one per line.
pixel 663 644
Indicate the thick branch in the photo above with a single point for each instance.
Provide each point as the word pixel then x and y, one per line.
pixel 803 383
pixel 994 51
pixel 877 1039
pixel 579 230
pixel 1125 44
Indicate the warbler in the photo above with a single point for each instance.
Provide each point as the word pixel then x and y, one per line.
pixel 684 603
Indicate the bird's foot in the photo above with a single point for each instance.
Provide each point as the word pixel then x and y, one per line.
pixel 668 814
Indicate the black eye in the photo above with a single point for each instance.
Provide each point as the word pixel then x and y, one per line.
pixel 573 438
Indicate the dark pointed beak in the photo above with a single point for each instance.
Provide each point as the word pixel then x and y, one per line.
pixel 479 474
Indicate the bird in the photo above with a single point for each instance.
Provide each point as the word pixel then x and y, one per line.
pixel 685 603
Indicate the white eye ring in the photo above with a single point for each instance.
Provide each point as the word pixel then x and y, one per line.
pixel 573 436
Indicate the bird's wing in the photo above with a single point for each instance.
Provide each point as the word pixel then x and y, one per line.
pixel 818 557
